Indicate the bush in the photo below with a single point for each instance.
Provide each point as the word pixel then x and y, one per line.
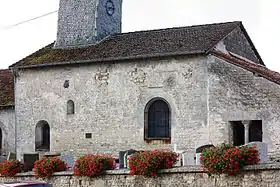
pixel 46 166
pixel 148 163
pixel 227 159
pixel 93 165
pixel 9 168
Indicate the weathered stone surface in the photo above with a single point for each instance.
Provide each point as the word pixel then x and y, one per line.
pixel 112 112
pixel 255 176
pixel 85 22
pixel 7 125
pixel 202 104
pixel 237 94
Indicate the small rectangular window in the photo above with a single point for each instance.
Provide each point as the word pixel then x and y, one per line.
pixel 88 135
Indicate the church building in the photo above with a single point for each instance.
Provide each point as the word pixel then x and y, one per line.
pixel 98 90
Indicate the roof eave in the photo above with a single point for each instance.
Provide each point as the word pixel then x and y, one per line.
pixel 138 57
pixel 7 106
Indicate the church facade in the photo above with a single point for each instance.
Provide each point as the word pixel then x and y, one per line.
pixel 97 90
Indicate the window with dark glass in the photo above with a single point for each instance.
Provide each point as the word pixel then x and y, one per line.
pixel 157 122
pixel 255 131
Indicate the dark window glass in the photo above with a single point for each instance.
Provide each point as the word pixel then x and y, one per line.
pixel 158 120
pixel 238 133
pixel 255 131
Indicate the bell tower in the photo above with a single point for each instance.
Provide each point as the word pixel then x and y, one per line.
pixel 86 22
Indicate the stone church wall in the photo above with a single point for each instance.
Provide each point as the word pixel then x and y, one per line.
pixel 7 125
pixel 237 94
pixel 109 103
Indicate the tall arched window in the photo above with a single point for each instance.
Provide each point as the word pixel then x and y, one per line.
pixel 157 120
pixel 70 107
pixel 42 136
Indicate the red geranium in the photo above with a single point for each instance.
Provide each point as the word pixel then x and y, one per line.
pixel 227 159
pixel 147 163
pixel 93 165
pixel 46 166
pixel 9 168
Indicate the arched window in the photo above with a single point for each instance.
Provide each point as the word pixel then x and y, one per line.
pixel 157 120
pixel 42 136
pixel 70 107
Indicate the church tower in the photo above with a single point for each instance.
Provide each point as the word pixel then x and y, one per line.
pixel 86 22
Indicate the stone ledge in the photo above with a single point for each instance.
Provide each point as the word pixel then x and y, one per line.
pixel 186 169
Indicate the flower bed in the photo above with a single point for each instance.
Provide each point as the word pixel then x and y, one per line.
pixel 9 168
pixel 93 165
pixel 46 166
pixel 148 163
pixel 227 159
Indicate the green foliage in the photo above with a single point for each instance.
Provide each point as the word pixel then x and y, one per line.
pixel 228 159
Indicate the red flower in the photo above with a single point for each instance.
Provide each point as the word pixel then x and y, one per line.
pixel 227 159
pixel 45 167
pixel 9 168
pixel 147 163
pixel 93 165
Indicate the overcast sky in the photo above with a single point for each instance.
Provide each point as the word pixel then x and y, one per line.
pixel 260 18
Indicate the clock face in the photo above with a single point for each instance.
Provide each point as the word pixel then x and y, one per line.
pixel 110 7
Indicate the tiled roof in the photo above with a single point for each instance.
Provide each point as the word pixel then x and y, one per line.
pixel 250 66
pixel 190 40
pixel 6 88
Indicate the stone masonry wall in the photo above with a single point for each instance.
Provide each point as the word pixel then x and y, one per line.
pixel 76 22
pixel 86 22
pixel 109 103
pixel 237 94
pixel 192 176
pixel 7 125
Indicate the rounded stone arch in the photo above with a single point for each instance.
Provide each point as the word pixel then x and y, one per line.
pixel 157 119
pixel 42 136
pixel 70 107
pixel 156 99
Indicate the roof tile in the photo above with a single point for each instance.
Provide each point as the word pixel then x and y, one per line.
pixel 6 88
pixel 153 43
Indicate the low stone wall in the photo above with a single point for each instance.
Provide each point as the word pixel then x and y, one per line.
pixel 255 176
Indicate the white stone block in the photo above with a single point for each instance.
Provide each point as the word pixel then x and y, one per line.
pixel 197 158
pixel 262 149
pixel 188 159
pixel 179 159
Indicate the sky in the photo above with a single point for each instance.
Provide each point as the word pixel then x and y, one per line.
pixel 260 18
